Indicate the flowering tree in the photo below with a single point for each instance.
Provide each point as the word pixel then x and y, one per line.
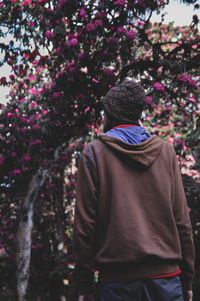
pixel 55 99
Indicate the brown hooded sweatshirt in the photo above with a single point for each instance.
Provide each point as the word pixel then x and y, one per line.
pixel 131 216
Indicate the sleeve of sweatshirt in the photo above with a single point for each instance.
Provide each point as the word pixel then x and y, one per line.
pixel 181 214
pixel 85 224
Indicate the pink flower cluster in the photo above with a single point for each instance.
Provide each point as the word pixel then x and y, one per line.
pixel 49 34
pixel 73 42
pixel 131 34
pixel 158 86
pixel 83 13
pixel 149 100
pixel 26 2
pixel 92 26
pixel 3 80
pixel 186 79
pixel 121 29
pixel 120 2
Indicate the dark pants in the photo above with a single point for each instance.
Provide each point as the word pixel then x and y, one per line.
pixel 162 289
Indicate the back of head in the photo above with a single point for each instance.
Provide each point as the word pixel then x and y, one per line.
pixel 125 102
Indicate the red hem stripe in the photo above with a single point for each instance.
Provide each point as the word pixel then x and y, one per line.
pixel 124 126
pixel 151 277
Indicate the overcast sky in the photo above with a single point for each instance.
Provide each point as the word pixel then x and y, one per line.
pixel 179 13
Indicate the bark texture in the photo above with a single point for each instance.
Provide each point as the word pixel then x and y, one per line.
pixel 24 230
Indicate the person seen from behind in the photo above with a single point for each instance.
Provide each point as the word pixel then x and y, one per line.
pixel 131 216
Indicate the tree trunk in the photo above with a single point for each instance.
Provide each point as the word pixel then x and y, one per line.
pixel 23 238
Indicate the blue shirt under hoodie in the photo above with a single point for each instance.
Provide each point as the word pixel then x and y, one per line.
pixel 130 134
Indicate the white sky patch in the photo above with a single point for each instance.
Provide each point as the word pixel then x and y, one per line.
pixel 179 13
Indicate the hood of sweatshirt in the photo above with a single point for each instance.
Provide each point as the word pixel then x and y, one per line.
pixel 130 134
pixel 141 154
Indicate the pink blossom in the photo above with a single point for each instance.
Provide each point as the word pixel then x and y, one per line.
pixel 36 126
pixel 95 80
pixel 27 157
pixel 120 2
pixel 24 120
pixel 83 13
pixel 32 78
pixel 13 1
pixel 26 2
pixel 72 69
pixel 13 154
pixel 27 55
pixel 98 23
pixel 10 115
pixel 186 78
pixel 80 55
pixel 149 100
pixel 121 29
pixel 34 104
pixel 40 68
pixel 72 42
pixel 22 100
pixel 192 99
pixel 56 94
pixel 158 86
pixel 16 171
pixel 31 24
pixel 90 27
pixel 130 34
pixel 2 4
pixel 140 22
pixel 58 50
pixel 49 34
pixel 3 80
pixel 12 77
pixel 59 74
